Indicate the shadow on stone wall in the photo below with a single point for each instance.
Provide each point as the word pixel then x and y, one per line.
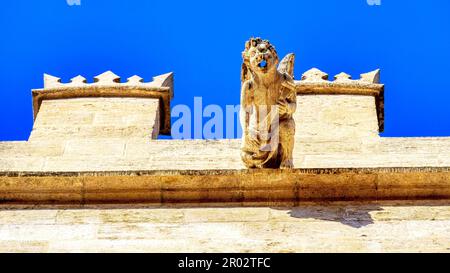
pixel 353 216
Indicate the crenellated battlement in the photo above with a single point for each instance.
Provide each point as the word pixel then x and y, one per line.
pixel 361 97
pixel 109 85
pixel 108 78
pixel 315 81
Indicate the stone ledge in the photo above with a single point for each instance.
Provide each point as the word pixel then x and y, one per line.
pixel 237 187
pixel 339 88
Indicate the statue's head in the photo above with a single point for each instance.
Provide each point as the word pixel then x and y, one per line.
pixel 260 56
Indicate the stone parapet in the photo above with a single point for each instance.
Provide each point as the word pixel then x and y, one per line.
pixel 108 85
pixel 363 101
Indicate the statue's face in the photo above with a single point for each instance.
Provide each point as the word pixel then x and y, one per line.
pixel 262 58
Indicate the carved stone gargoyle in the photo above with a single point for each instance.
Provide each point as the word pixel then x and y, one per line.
pixel 268 101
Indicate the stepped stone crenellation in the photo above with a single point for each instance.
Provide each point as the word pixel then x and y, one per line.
pixel 109 85
pixel 316 83
pixel 107 78
pixel 316 75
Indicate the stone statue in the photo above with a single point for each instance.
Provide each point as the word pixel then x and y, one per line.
pixel 268 101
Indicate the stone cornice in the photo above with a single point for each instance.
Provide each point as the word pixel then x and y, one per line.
pixel 237 187
pixel 205 172
pixel 338 88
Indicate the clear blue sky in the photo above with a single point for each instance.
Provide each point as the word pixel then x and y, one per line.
pixel 201 41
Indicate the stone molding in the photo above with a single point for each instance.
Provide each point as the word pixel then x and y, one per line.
pixel 236 187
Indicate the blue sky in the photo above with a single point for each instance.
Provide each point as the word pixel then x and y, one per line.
pixel 201 41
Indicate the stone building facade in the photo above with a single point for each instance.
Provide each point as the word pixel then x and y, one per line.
pixel 94 144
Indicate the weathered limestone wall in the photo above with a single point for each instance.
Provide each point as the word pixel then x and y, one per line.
pixel 335 117
pixel 94 118
pixel 177 155
pixel 328 227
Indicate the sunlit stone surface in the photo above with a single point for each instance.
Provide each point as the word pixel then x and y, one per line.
pixel 330 227
pixel 93 156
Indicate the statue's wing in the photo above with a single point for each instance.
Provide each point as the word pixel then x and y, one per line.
pixel 245 75
pixel 287 65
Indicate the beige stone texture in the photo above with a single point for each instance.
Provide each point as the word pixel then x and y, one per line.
pixel 341 118
pixel 419 226
pixel 92 118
